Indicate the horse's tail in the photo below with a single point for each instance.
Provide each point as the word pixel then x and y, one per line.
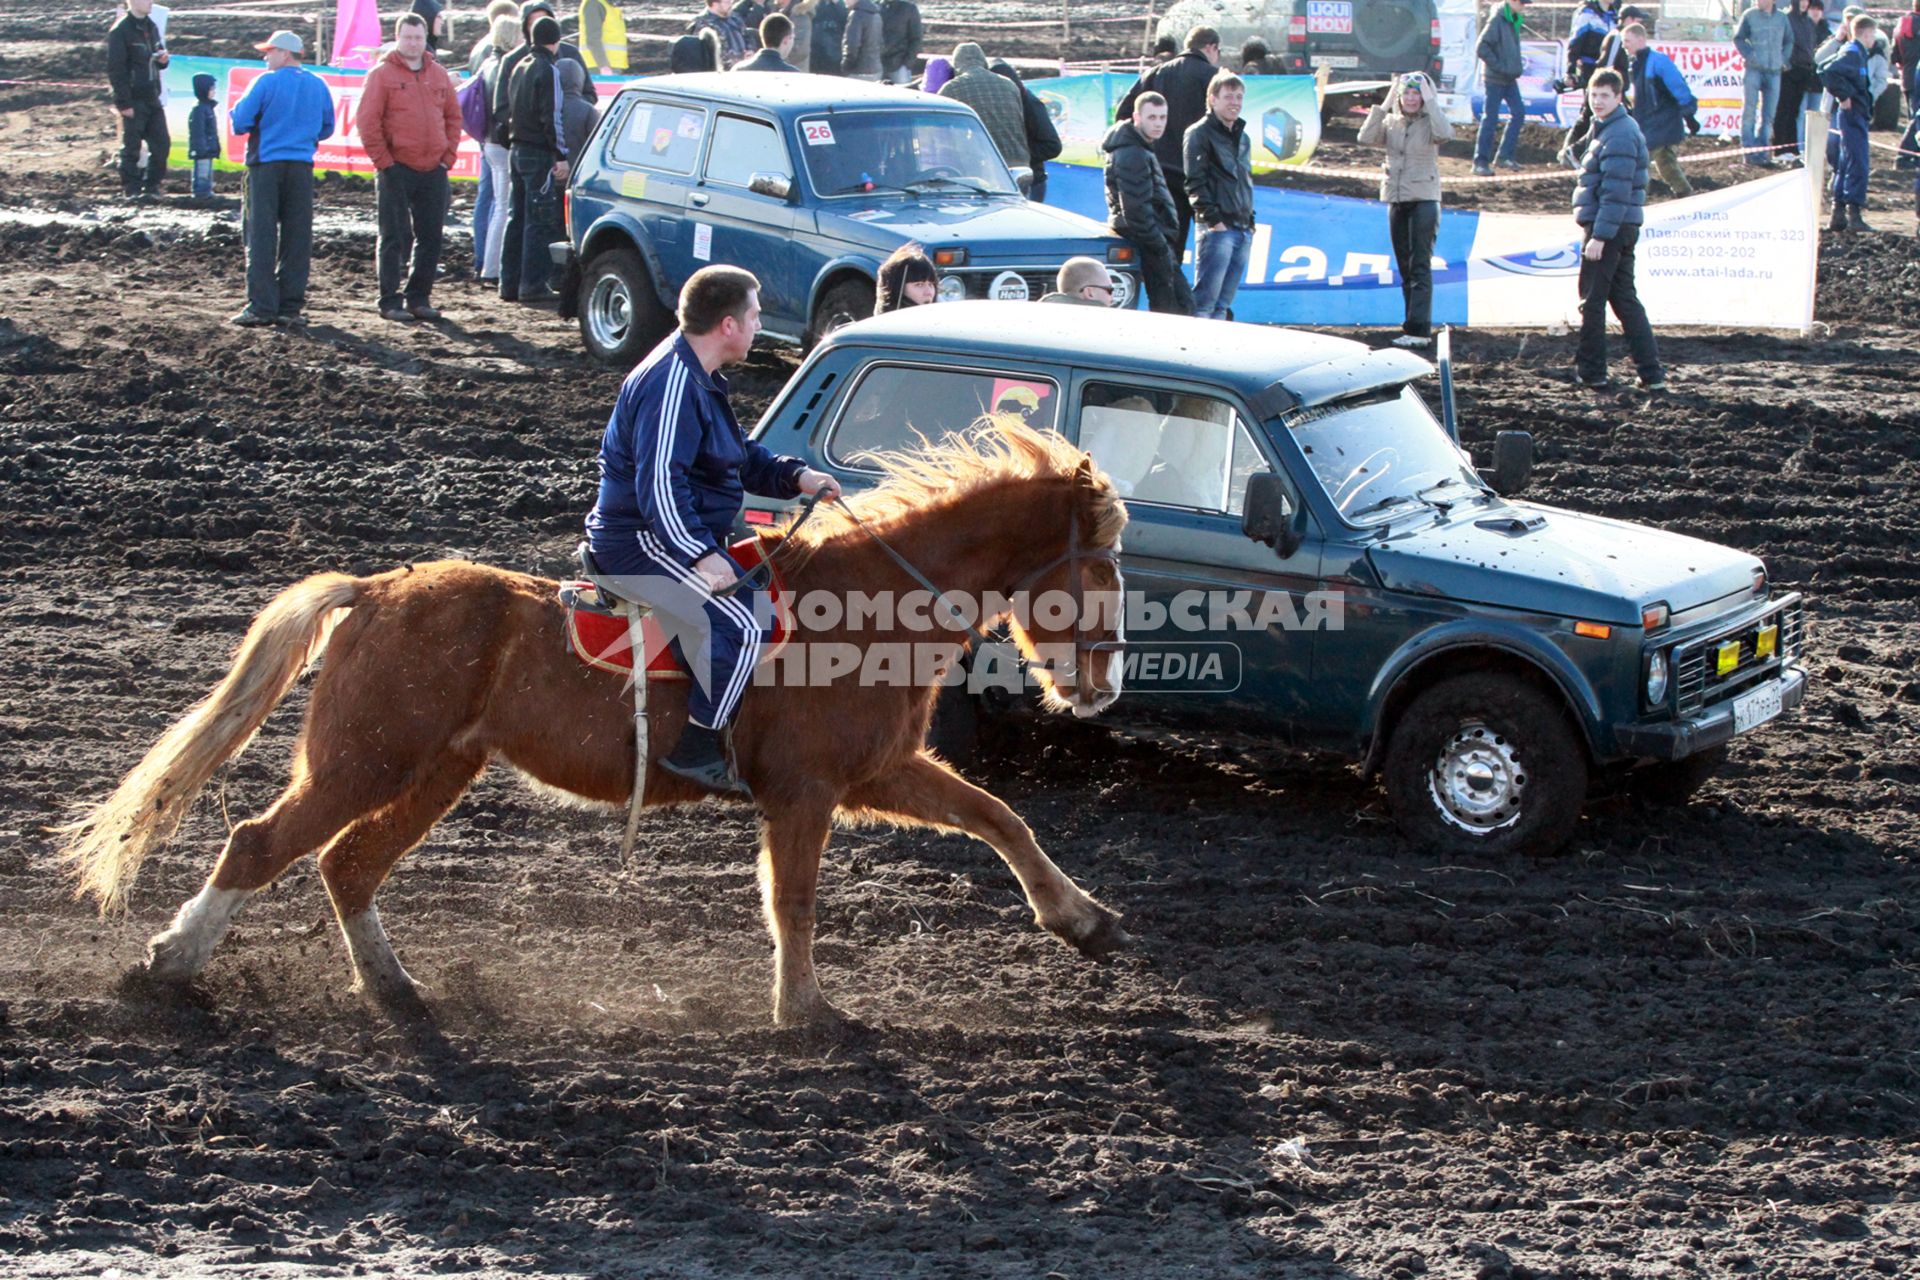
pixel 104 848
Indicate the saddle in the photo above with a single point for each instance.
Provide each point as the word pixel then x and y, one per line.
pixel 598 618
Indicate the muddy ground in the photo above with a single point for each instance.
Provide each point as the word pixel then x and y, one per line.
pixel 1685 1048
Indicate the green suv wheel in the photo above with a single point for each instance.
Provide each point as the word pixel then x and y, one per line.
pixel 1486 763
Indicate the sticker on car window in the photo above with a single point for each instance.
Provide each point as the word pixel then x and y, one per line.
pixel 818 133
pixel 662 139
pixel 690 124
pixel 639 122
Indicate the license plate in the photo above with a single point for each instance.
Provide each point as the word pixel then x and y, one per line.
pixel 1342 60
pixel 1751 710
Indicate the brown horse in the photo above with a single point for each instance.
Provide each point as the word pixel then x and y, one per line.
pixel 436 669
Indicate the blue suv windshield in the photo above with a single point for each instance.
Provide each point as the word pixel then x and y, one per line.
pixel 1383 457
pixel 853 153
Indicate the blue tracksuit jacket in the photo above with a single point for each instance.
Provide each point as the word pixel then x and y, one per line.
pixel 675 464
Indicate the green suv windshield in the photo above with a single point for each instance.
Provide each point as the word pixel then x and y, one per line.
pixel 852 153
pixel 1383 456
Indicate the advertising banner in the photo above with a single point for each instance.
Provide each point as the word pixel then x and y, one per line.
pixel 1283 113
pixel 342 153
pixel 1713 70
pixel 1739 256
pixel 1743 255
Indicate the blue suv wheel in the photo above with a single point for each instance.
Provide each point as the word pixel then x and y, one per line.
pixel 621 318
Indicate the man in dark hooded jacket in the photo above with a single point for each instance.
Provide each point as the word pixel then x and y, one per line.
pixel 829 35
pixel 1043 140
pixel 1140 205
pixel 529 11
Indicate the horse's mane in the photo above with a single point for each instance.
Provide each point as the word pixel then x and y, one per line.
pixel 996 449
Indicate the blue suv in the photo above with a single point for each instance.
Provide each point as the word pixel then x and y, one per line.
pixel 809 183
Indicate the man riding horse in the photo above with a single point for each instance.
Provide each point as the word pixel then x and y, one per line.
pixel 674 466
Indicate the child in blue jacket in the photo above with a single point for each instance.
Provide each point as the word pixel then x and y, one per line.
pixel 203 136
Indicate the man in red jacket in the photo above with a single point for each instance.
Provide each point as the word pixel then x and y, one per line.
pixel 409 122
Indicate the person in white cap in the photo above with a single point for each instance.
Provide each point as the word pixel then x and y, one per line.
pixel 284 113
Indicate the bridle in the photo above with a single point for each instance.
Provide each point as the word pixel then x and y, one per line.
pixel 1071 557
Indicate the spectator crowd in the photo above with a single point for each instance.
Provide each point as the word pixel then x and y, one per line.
pixel 1178 159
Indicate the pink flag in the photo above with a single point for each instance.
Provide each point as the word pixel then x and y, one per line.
pixel 356 33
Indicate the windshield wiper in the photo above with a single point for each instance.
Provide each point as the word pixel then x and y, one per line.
pixel 1392 499
pixel 1478 492
pixel 962 183
pixel 853 187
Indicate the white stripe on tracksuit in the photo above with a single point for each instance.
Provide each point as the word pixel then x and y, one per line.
pixel 672 400
pixel 729 619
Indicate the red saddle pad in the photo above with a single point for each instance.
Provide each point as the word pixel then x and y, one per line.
pixel 602 640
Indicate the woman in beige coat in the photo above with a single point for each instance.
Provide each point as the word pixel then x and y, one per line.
pixel 1410 126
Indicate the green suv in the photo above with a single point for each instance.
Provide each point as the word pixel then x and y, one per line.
pixel 1314 558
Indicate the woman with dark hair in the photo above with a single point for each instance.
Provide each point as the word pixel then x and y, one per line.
pixel 907 279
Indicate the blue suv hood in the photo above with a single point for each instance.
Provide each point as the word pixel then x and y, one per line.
pixel 991 227
pixel 1570 565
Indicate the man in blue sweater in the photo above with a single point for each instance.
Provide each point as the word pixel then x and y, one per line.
pixel 674 465
pixel 1609 203
pixel 285 113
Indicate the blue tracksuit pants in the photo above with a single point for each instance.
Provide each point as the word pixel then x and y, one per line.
pixel 1850 171
pixel 717 637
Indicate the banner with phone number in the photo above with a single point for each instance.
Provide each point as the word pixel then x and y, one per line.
pixel 1282 111
pixel 1714 71
pixel 342 153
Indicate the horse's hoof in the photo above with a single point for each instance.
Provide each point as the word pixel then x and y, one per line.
pixel 1105 938
pixel 406 1004
pixel 141 985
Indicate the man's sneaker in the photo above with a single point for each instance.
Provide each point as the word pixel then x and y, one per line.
pixel 1482 171
pixel 1654 385
pixel 291 319
pixel 700 757
pixel 1412 340
pixel 423 311
pixel 250 319
pixel 395 313
pixel 534 297
pixel 1512 166
pixel 1591 384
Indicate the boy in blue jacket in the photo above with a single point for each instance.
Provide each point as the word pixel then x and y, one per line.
pixel 1846 78
pixel 203 137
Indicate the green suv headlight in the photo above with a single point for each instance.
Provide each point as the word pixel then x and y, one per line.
pixel 1657 673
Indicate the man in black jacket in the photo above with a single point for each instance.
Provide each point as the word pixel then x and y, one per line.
pixel 537 164
pixel 1140 205
pixel 901 34
pixel 135 58
pixel 1219 155
pixel 1043 140
pixel 529 11
pixel 1183 82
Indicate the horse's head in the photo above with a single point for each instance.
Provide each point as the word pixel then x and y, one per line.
pixel 1069 619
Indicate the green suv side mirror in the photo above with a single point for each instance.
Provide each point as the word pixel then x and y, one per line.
pixel 1268 516
pixel 1512 462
